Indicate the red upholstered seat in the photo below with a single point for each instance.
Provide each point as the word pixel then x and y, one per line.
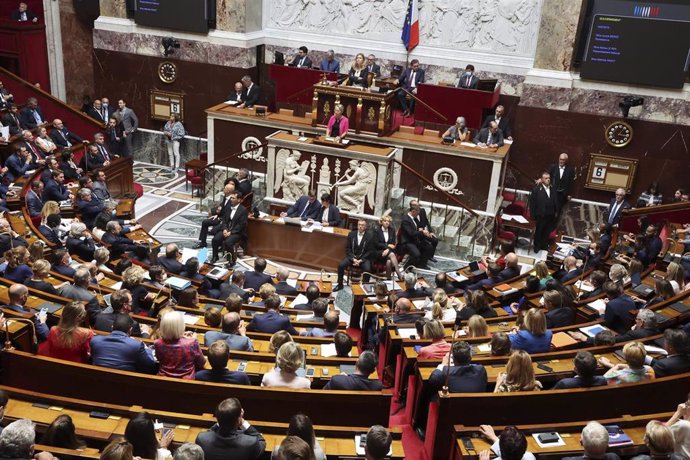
pixel 139 190
pixel 508 196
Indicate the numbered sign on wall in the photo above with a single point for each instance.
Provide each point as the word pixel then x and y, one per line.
pixel 164 104
pixel 609 173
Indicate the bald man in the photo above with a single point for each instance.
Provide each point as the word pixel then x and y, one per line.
pixel 232 332
pixel 512 267
pixel 18 295
pixel 63 137
pixel 171 260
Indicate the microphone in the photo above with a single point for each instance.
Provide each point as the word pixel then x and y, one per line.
pixel 444 390
pixel 34 337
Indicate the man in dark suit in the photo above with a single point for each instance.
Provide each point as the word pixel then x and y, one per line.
pixel 468 80
pixel 18 295
pixel 120 305
pixel 557 315
pixel 98 112
pixel 118 350
pixel 170 261
pixel 312 293
pixel 235 287
pixel 359 381
pixel 256 278
pixel 89 207
pixel 55 189
pixel 651 246
pixel 244 184
pixel 617 313
pixel 232 437
pixel 271 321
pixel 358 252
pixel 412 239
pixel 569 271
pixel 616 206
pixel 119 244
pixel 31 115
pixel 252 93
pixel 5 97
pixel 24 14
pixel 9 238
pixel 645 326
pixel 35 154
pixel 61 261
pixel 677 361
pixel 543 207
pixel 424 226
pixel 306 207
pixel 490 137
pixel 214 223
pixel 585 373
pixel 402 314
pixel 411 291
pixel 501 120
pixel 512 267
pixel 562 177
pixel 238 94
pixel 301 60
pixel 11 119
pixel 282 287
pixel 93 159
pixel 218 355
pixel 63 137
pixel 34 202
pixel 464 377
pixel 18 164
pixel 412 77
pixel 329 64
pixel 492 278
pixel 232 332
pixel 49 229
pixel 80 291
pixel 328 214
pixel 235 228
pixel 372 66
pixel 441 282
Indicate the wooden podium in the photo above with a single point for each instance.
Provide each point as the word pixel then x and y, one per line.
pixel 367 112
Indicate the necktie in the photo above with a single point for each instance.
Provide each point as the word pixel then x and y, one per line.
pixel 37 117
pixel 239 96
pixel 301 62
pixel 65 138
pixel 467 82
pixel 16 120
pixel 103 113
pixel 305 209
pixel 232 213
pixel 489 138
pixel 413 84
pixel 614 210
pixel 104 152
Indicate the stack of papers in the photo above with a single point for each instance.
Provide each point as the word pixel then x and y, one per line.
pixel 190 319
pixel 515 217
pixel 599 305
pixel 407 332
pixel 299 300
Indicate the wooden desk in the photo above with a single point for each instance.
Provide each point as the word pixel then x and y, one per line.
pixel 367 111
pixel 289 244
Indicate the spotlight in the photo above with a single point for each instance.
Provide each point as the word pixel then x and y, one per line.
pixel 629 101
pixel 169 45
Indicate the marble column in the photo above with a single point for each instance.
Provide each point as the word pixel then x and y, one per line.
pixel 77 52
pixel 240 16
pixel 557 33
pixel 113 8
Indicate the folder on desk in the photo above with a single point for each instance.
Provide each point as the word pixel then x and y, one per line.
pixel 50 307
pixel 178 283
pixel 617 436
pixel 591 331
pixel 680 307
pixel 562 339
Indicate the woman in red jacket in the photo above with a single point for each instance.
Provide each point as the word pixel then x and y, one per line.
pixel 68 340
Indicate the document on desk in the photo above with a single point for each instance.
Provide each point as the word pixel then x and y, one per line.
pixel 406 332
pixel 328 229
pixel 468 144
pixel 190 319
pixel 328 350
pixel 291 282
pixel 300 300
pixel 599 305
pixel 280 220
pixel 230 102
pixel 457 277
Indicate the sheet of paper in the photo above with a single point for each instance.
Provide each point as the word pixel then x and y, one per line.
pixel 300 299
pixel 520 219
pixel 280 220
pixel 188 253
pixel 407 332
pixel 467 144
pixel 308 228
pixel 231 102
pixel 328 229
pixel 190 319
pixel 291 282
pixel 599 305
pixel 328 349
pixel 484 347
pixel 5 132
pixel 457 277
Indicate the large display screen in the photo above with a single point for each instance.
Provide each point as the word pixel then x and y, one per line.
pixel 185 15
pixel 644 43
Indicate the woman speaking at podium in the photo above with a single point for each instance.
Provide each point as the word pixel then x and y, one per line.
pixel 338 124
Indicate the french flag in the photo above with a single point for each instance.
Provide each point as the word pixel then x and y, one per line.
pixel 410 34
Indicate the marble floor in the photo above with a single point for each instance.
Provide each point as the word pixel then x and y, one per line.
pixel 170 213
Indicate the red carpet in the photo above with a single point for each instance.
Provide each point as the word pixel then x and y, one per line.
pixel 414 447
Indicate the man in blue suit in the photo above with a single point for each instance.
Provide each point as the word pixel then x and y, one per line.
pixel 31 115
pixel 120 305
pixel 570 270
pixel 49 229
pixel 617 313
pixel 512 267
pixel 55 189
pixel 409 80
pixel 34 203
pixel 89 207
pixel 271 321
pixel 256 278
pixel 170 261
pixel 18 163
pixel 492 278
pixel 233 332
pixel 119 351
pixel 306 207
pixel 464 377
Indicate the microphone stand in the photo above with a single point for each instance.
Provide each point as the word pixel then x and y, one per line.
pixel 8 342
pixel 444 390
pixel 582 275
pixel 34 337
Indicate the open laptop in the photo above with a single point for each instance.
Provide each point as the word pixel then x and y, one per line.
pixel 474 268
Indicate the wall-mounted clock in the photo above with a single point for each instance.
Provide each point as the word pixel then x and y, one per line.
pixel 167 72
pixel 618 134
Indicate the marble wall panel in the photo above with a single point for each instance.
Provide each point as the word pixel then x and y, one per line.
pixel 190 50
pixel 231 15
pixel 113 8
pixel 77 49
pixel 557 34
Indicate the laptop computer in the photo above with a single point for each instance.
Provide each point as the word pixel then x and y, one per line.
pixel 474 268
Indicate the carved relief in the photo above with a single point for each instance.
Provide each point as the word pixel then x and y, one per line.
pixel 357 185
pixel 291 175
pixel 506 26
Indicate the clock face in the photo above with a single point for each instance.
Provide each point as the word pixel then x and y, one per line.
pixel 167 72
pixel 619 134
